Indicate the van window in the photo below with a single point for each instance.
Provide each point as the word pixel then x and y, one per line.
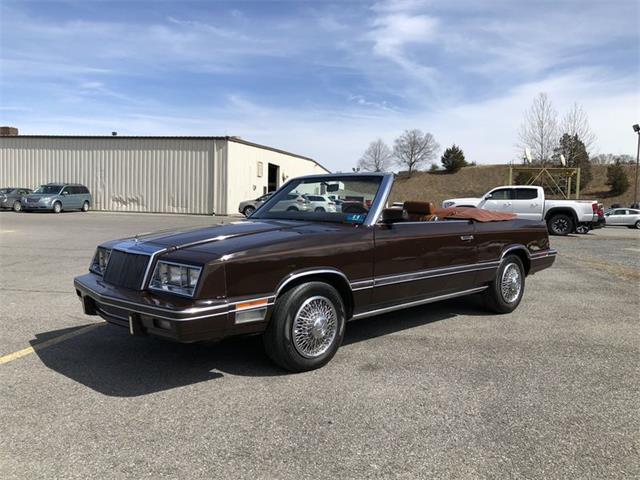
pixel 526 193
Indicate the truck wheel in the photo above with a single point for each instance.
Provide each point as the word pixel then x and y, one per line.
pixel 506 290
pixel 17 206
pixel 306 328
pixel 560 224
pixel 582 228
pixel 57 207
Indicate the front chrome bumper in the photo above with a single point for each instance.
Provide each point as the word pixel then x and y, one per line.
pixel 180 319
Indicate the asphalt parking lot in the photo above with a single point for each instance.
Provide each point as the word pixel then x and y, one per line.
pixel 441 391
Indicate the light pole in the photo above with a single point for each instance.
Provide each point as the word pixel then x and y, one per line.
pixel 636 128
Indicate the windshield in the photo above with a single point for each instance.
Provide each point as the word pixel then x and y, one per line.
pixel 323 199
pixel 6 190
pixel 48 189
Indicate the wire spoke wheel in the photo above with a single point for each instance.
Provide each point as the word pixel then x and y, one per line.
pixel 511 283
pixel 314 327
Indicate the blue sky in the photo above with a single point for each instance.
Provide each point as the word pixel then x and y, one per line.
pixel 320 78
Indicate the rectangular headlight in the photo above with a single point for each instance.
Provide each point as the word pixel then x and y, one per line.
pixel 100 261
pixel 175 278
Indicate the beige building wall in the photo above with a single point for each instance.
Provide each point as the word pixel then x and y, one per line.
pixel 245 181
pixel 201 175
pixel 123 173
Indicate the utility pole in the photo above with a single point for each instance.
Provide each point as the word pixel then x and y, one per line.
pixel 636 128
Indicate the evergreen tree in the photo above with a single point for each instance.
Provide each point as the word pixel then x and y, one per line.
pixel 617 179
pixel 576 155
pixel 453 159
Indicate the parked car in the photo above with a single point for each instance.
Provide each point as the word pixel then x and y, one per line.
pixel 616 205
pixel 10 197
pixel 292 202
pixel 528 201
pixel 635 206
pixel 249 206
pixel 321 203
pixel 623 217
pixel 57 197
pixel 298 276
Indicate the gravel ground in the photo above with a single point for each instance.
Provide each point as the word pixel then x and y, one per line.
pixel 440 391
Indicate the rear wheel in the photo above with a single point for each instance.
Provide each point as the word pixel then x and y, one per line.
pixel 638 224
pixel 319 209
pixel 560 224
pixel 17 206
pixel 85 207
pixel 292 209
pixel 506 290
pixel 582 228
pixel 306 328
pixel 57 207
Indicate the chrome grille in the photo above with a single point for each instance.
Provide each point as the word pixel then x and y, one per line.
pixel 126 269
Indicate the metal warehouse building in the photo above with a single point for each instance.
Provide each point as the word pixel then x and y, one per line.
pixel 202 175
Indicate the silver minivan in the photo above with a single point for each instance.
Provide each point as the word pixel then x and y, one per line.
pixel 57 197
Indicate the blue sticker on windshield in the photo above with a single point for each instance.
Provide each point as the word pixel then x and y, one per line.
pixel 355 217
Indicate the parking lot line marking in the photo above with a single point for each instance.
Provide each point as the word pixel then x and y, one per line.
pixel 47 343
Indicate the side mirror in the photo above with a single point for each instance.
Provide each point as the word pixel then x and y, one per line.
pixel 65 193
pixel 488 196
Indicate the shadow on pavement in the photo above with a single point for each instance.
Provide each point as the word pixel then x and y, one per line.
pixel 109 361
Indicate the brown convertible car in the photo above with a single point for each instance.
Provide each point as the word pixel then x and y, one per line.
pixel 298 276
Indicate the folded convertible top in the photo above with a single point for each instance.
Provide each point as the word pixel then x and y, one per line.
pixel 477 214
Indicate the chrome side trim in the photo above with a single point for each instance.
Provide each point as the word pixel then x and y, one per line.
pixel 415 303
pixel 512 248
pixel 361 285
pixel 305 273
pixel 552 252
pixel 384 281
pixel 422 275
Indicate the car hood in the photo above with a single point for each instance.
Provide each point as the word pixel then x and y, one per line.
pixel 40 195
pixel 463 201
pixel 192 237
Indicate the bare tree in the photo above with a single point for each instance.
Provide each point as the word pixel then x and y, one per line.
pixel 539 130
pixel 576 122
pixel 413 149
pixel 376 158
pixel 609 158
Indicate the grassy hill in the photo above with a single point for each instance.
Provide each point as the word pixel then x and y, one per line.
pixel 474 181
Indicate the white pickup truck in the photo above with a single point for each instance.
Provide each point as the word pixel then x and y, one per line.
pixel 527 201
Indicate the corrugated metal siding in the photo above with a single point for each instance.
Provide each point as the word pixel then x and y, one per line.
pixel 132 175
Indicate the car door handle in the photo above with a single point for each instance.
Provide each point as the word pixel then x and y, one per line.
pixel 466 238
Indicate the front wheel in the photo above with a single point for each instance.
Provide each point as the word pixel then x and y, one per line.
pixel 506 290
pixel 319 209
pixel 248 211
pixel 638 224
pixel 57 207
pixel 17 207
pixel 306 328
pixel 560 224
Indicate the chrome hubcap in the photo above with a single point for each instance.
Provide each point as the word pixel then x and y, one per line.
pixel 511 283
pixel 315 327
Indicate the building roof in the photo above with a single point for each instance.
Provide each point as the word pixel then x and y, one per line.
pixel 173 137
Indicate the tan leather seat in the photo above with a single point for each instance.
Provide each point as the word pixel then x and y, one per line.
pixel 419 211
